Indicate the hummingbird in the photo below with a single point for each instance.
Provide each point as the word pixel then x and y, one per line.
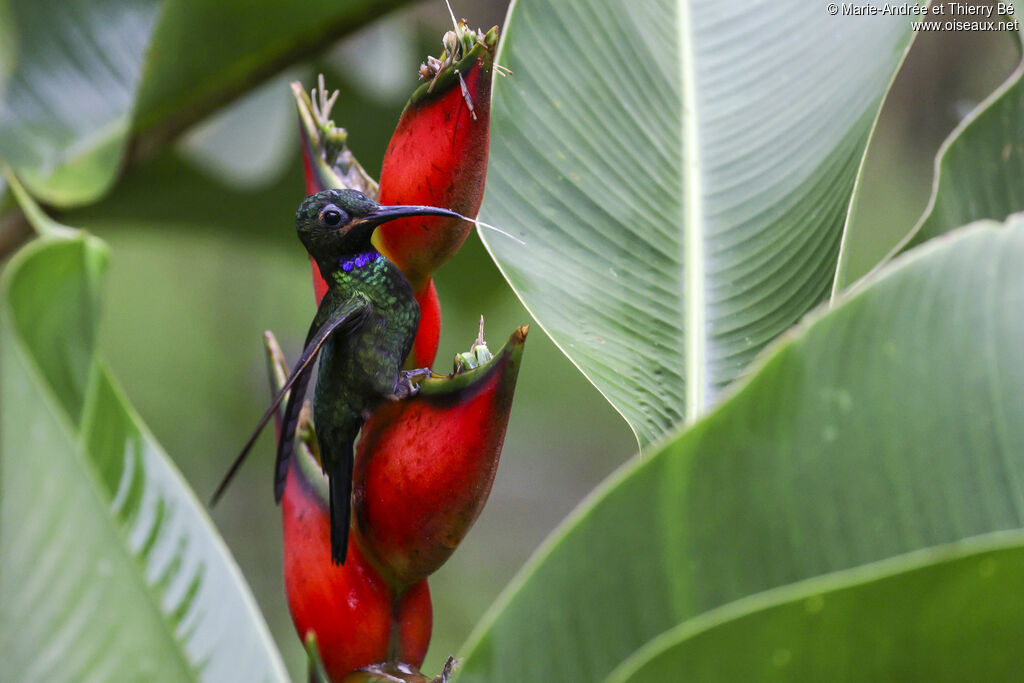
pixel 363 330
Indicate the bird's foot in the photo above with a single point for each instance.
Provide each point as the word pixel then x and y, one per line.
pixel 408 383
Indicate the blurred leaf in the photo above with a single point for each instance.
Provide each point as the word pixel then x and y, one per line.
pixel 945 614
pixel 377 60
pixel 8 45
pixel 87 73
pixel 111 569
pixel 680 173
pixel 891 423
pixel 192 68
pixel 979 170
pixel 222 145
pixel 65 117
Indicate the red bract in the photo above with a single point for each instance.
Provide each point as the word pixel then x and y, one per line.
pixel 358 618
pixel 424 466
pixel 438 157
pixel 428 334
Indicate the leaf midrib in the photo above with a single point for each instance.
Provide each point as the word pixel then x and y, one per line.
pixel 693 213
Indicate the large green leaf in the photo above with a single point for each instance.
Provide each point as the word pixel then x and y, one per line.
pixel 979 169
pixel 893 422
pixel 110 568
pixel 89 73
pixel 951 613
pixel 680 172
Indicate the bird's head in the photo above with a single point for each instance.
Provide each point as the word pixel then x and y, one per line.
pixel 333 224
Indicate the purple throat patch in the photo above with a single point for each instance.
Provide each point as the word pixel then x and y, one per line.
pixel 359 260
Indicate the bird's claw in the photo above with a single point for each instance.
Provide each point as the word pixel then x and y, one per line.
pixel 408 383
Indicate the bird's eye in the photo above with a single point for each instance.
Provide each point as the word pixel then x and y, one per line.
pixel 331 217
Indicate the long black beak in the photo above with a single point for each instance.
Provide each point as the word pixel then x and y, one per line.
pixel 383 214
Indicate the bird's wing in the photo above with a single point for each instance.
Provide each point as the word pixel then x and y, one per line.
pixel 349 315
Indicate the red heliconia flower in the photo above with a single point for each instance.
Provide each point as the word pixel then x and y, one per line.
pixel 424 465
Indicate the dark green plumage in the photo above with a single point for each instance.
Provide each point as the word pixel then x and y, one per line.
pixel 359 369
pixel 364 327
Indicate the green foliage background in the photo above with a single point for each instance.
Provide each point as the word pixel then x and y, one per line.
pixel 203 259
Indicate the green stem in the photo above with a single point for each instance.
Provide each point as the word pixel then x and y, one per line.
pixel 37 218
